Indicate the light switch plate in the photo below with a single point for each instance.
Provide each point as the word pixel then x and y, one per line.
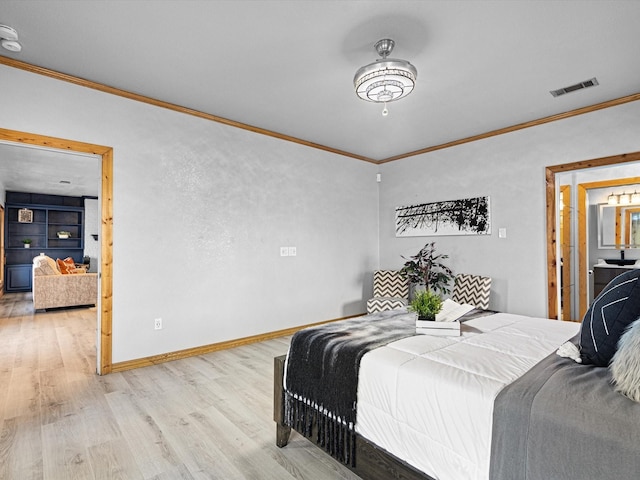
pixel 284 251
pixel 292 251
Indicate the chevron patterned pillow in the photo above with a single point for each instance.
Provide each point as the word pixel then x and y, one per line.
pixel 617 306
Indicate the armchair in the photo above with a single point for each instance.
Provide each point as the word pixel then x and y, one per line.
pixel 390 291
pixel 472 289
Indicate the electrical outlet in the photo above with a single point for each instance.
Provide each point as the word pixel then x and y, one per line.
pixel 158 324
pixel 284 251
pixel 292 251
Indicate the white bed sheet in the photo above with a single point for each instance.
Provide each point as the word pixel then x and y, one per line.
pixel 429 399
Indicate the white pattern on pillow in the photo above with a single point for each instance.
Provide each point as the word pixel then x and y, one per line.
pixel 625 364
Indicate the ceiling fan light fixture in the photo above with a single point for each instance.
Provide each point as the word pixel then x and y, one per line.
pixel 8 33
pixel 386 79
pixel 11 45
pixel 9 38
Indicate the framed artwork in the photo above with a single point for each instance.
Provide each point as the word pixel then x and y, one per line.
pixel 468 216
pixel 25 215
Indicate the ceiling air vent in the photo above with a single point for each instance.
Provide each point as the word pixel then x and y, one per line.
pixel 592 82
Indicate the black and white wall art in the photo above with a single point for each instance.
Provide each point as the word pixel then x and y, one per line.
pixel 469 216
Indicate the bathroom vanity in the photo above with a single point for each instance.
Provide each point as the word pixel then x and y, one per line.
pixel 603 273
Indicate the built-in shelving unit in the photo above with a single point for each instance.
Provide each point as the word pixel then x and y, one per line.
pixel 50 214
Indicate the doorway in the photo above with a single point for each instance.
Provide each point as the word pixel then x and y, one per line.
pixel 1 250
pixel 553 267
pixel 104 322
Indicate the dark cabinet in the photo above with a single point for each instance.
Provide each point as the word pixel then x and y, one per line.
pixel 18 278
pixel 603 275
pixel 41 223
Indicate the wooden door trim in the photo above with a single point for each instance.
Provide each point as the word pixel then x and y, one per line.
pixel 583 207
pixel 106 231
pixel 550 180
pixel 565 226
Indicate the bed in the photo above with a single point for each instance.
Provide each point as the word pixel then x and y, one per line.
pixel 495 403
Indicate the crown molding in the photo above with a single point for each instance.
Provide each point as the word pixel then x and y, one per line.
pixel 10 62
pixel 520 126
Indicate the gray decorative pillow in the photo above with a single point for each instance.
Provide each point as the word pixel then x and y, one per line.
pixel 625 365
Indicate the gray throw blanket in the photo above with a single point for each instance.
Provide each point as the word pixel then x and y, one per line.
pixel 564 421
pixel 321 377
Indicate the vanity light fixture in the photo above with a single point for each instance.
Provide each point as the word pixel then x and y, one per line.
pixel 624 199
pixel 386 79
pixel 9 38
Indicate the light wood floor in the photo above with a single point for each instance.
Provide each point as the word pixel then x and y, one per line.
pixel 203 417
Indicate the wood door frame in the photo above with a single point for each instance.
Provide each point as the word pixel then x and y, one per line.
pixel 582 208
pixel 550 177
pixel 565 233
pixel 104 365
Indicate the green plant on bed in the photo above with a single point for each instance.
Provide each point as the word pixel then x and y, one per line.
pixel 426 268
pixel 426 304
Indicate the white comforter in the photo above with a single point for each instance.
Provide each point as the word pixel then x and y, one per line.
pixel 429 399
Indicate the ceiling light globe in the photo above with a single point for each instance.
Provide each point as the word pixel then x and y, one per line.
pixel 11 45
pixel 8 33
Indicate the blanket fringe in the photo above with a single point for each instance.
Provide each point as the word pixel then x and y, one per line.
pixel 337 438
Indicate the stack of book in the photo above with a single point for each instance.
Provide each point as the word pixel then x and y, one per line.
pixel 433 327
pixel 446 322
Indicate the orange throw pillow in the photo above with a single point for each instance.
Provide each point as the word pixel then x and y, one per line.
pixel 62 266
pixel 66 266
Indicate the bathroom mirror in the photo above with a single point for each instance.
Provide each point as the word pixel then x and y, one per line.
pixel 618 226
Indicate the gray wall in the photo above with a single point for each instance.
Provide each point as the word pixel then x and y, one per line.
pixel 201 209
pixel 200 213
pixel 510 169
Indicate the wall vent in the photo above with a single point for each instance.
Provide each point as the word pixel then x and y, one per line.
pixel 592 82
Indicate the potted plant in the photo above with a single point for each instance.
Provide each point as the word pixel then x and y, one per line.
pixel 63 234
pixel 426 304
pixel 426 268
pixel 27 242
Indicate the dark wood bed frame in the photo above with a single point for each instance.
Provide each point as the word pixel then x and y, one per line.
pixel 372 462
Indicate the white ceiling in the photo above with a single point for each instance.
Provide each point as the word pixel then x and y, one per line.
pixel 25 168
pixel 287 66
